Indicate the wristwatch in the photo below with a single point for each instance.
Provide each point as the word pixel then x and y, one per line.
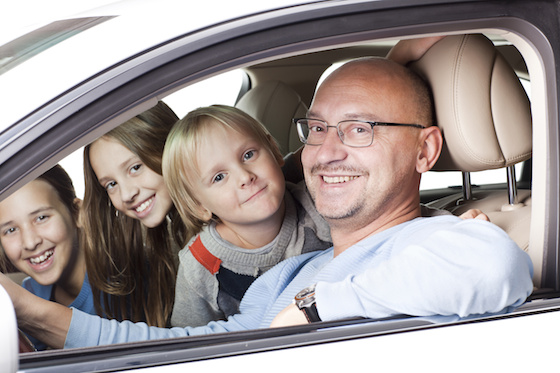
pixel 305 301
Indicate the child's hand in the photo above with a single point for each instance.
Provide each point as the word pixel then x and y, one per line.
pixel 409 50
pixel 474 214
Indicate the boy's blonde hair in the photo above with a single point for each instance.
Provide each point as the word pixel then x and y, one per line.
pixel 179 163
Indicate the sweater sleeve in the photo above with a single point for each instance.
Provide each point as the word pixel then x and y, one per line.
pixel 471 267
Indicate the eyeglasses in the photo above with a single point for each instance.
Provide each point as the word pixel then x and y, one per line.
pixel 354 133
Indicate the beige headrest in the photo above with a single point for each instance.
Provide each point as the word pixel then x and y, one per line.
pixel 274 104
pixel 481 107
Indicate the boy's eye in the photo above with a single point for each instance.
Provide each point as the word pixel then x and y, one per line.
pixel 218 178
pixel 248 155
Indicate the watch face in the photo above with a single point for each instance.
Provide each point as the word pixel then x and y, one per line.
pixel 308 291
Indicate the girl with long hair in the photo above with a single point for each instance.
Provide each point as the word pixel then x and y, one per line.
pixel 39 236
pixel 131 231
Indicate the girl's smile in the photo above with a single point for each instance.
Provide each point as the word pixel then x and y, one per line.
pixel 38 232
pixel 42 261
pixel 134 189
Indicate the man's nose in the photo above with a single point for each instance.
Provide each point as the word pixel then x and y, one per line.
pixel 332 149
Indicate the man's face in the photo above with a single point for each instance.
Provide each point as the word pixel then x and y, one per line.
pixel 359 185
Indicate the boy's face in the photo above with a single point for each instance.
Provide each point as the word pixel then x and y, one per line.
pixel 241 182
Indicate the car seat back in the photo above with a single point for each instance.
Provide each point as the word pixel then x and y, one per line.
pixel 481 106
pixel 485 118
pixel 274 104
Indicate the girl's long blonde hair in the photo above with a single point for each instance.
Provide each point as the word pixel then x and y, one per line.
pixel 131 268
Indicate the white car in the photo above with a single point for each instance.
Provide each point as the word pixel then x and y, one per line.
pixel 65 83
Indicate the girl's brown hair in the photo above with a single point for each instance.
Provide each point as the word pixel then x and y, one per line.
pixel 131 268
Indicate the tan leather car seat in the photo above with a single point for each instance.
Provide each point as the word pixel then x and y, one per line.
pixel 485 117
pixel 274 104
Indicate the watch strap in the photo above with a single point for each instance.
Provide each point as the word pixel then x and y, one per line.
pixel 311 313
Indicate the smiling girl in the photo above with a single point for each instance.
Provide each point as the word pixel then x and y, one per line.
pixel 223 171
pixel 39 236
pixel 128 216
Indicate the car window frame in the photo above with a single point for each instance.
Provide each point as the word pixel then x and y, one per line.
pixel 131 87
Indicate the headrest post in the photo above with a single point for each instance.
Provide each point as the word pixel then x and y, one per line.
pixel 512 185
pixel 513 203
pixel 467 188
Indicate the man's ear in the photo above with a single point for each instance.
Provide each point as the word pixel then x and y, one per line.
pixel 432 142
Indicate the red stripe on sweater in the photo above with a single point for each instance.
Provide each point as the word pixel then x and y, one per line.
pixel 205 257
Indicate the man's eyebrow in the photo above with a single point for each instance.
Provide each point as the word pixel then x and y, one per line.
pixel 348 116
pixel 311 114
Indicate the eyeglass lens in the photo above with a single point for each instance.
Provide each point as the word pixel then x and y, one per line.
pixel 351 133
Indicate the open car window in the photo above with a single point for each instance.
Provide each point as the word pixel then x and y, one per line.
pixel 295 48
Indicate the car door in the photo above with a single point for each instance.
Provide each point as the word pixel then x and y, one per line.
pixel 93 106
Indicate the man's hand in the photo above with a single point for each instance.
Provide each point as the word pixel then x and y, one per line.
pixel 290 315
pixel 474 214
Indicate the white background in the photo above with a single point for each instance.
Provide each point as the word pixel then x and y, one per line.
pixel 24 13
pixel 21 14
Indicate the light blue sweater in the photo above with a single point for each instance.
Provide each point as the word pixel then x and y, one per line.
pixel 425 267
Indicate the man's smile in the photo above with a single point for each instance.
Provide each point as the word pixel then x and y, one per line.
pixel 338 179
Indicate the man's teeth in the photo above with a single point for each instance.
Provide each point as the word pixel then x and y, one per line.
pixel 143 206
pixel 338 179
pixel 40 259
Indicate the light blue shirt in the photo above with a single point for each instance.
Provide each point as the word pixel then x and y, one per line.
pixel 83 302
pixel 425 267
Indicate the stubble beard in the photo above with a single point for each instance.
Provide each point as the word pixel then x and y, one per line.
pixel 333 211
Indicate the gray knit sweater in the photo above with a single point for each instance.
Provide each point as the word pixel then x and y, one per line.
pixel 213 274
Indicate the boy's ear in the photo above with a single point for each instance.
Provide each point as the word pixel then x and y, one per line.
pixel 204 214
pixel 432 142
